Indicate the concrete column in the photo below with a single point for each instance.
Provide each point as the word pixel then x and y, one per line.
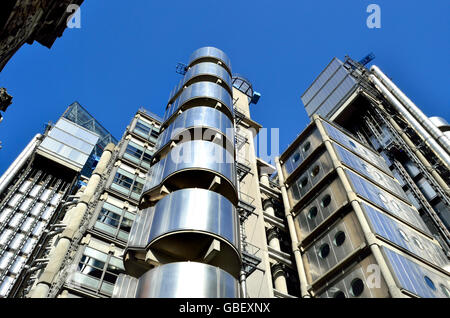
pixel 76 216
pixel 40 291
pixel 74 219
pixel 68 214
pixel 274 241
pixel 290 220
pixel 279 277
pixel 264 179
pixel 268 207
pixel 55 261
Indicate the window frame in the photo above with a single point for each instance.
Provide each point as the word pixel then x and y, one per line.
pixel 116 231
pixel 86 255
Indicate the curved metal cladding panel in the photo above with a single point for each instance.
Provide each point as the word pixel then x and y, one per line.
pixel 201 90
pixel 140 230
pixel 386 201
pixel 195 210
pixel 404 236
pixel 201 116
pixel 358 282
pixel 416 277
pixel 201 69
pixel 369 171
pixel 193 155
pixel 200 154
pixel 208 68
pixel 125 287
pixel 187 280
pixel 356 147
pixel 210 52
pixel 154 175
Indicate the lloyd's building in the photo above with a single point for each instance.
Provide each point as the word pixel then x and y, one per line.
pixel 186 240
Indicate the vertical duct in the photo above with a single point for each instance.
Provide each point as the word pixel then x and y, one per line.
pixel 421 122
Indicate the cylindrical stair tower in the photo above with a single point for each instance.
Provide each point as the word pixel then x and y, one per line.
pixel 185 240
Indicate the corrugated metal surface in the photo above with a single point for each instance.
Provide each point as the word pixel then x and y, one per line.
pixel 369 171
pixel 386 201
pixel 356 147
pixel 417 278
pixel 404 236
pixel 321 80
pixel 328 90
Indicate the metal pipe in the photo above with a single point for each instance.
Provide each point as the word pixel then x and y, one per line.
pixel 413 109
pixel 242 281
pixel 429 140
pixel 18 163
pixel 295 249
pixel 420 156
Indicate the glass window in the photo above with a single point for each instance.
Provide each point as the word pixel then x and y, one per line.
pixel 114 221
pixel 147 157
pixel 146 130
pixel 5 285
pixel 430 283
pixel 128 184
pixel 312 213
pixel 307 146
pixel 97 271
pixel 418 243
pixel 445 290
pixel 134 151
pixel 123 181
pixel 5 259
pixel 403 235
pixel 339 294
pixel 326 200
pixel 142 128
pixel 138 154
pixel 109 218
pixel 339 238
pixel 154 134
pixel 324 250
pixel 357 287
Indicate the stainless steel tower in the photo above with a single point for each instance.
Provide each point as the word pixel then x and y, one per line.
pixel 185 242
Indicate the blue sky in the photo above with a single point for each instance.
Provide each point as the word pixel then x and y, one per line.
pixel 124 57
